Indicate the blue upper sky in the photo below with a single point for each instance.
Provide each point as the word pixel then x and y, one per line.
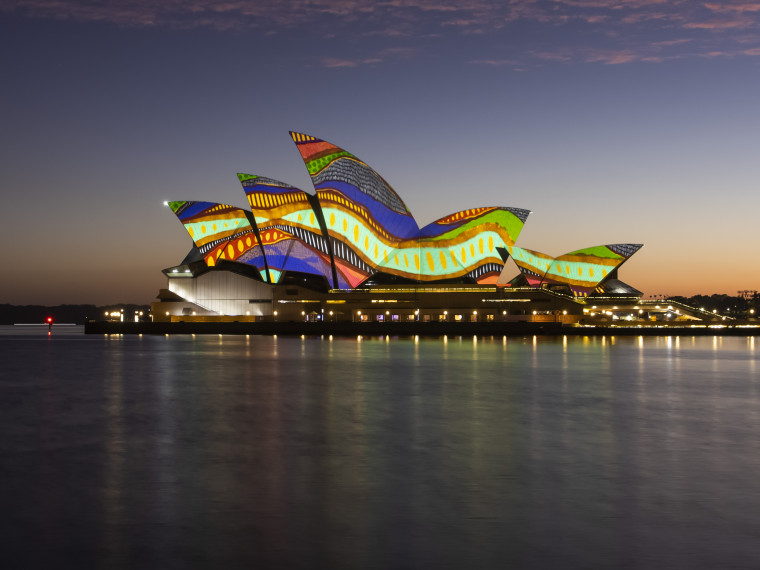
pixel 613 121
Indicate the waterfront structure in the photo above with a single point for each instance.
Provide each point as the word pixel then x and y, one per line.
pixel 354 244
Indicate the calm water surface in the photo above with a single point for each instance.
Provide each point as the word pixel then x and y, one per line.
pixel 262 452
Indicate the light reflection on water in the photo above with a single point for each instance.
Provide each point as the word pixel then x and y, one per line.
pixel 535 452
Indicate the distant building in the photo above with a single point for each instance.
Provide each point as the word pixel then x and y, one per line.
pixel 353 251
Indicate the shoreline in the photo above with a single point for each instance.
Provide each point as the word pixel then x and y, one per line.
pixel 428 329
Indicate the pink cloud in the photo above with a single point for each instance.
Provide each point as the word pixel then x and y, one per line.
pixel 614 58
pixel 717 25
pixel 740 8
pixel 494 62
pixel 335 62
pixel 668 43
pixel 630 30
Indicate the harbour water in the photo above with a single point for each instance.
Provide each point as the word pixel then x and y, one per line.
pixel 286 452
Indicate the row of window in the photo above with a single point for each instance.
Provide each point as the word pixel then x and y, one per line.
pixel 442 317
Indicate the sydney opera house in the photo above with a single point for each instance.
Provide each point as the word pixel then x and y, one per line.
pixel 353 251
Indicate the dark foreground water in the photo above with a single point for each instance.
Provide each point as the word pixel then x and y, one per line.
pixel 261 452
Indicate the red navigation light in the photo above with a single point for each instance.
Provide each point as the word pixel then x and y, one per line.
pixel 49 320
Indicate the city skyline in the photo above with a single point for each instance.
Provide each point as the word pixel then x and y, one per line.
pixel 611 121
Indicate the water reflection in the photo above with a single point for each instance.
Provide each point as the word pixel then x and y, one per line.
pixel 384 452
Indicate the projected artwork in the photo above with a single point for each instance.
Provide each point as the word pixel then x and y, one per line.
pixel 371 229
pixel 465 244
pixel 582 270
pixel 365 219
pixel 289 230
pixel 220 232
pixel 356 226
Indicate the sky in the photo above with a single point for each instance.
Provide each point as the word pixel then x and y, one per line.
pixel 613 121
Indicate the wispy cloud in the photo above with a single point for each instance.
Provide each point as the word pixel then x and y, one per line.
pixel 727 8
pixel 378 57
pixel 613 31
pixel 718 24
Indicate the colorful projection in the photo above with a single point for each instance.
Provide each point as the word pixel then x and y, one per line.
pixel 371 230
pixel 365 219
pixel 289 230
pixel 356 226
pixel 220 232
pixel 465 244
pixel 582 270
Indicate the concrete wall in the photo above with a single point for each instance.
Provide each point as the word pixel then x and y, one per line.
pixel 225 293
